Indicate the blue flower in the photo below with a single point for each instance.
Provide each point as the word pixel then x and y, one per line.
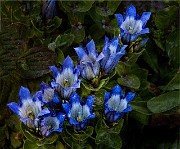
pixel 112 54
pixel 29 109
pixel 49 9
pixel 116 103
pixel 131 25
pixel 48 95
pixel 89 60
pixel 66 79
pixel 51 123
pixel 78 112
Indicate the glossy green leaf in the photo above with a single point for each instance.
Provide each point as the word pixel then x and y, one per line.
pixel 107 8
pixel 15 140
pixel 164 102
pixel 117 127
pixel 165 17
pixel 102 83
pixel 64 40
pixel 112 140
pixel 133 57
pixel 79 34
pixel 172 47
pixel 150 56
pixel 56 22
pixel 29 145
pixel 131 81
pixel 35 62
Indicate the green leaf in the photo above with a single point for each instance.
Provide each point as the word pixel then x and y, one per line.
pixel 59 145
pixel 101 125
pixel 78 6
pixel 150 56
pixel 117 127
pixel 81 135
pixel 56 22
pixel 164 102
pixel 172 47
pixel 112 140
pixel 174 84
pixel 15 140
pixel 165 17
pixel 35 62
pixel 64 40
pixel 131 81
pixel 29 145
pixel 141 107
pixel 79 34
pixel 60 56
pixel 102 83
pixel 133 57
pixel 48 140
pixel 28 134
pixel 107 8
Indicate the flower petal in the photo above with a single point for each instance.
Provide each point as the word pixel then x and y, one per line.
pixel 117 90
pixel 131 11
pixel 144 31
pixel 68 63
pixel 128 109
pixel 91 49
pixel 14 107
pixel 106 96
pixel 44 112
pixel 75 97
pixel 54 70
pixel 130 96
pixel 145 17
pixel 90 101
pixel 80 52
pixel 66 107
pixel 119 18
pixel 24 93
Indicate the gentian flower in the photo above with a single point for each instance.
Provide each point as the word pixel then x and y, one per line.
pixel 116 103
pixel 78 112
pixel 66 79
pixel 131 25
pixel 29 108
pixel 112 54
pixel 48 95
pixel 51 123
pixel 89 60
pixel 49 9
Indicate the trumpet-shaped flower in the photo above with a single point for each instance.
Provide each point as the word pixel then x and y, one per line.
pixel 116 103
pixel 28 109
pixel 49 9
pixel 48 95
pixel 78 112
pixel 66 79
pixel 112 54
pixel 51 123
pixel 89 60
pixel 131 25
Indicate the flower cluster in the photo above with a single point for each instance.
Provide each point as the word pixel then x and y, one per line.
pixel 58 101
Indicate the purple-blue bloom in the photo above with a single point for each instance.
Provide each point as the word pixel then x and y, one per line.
pixel 116 103
pixel 78 112
pixel 89 60
pixel 49 9
pixel 48 95
pixel 66 79
pixel 132 25
pixel 28 109
pixel 112 54
pixel 51 123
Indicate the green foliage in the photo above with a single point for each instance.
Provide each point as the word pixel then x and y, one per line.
pixel 29 44
pixel 164 102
